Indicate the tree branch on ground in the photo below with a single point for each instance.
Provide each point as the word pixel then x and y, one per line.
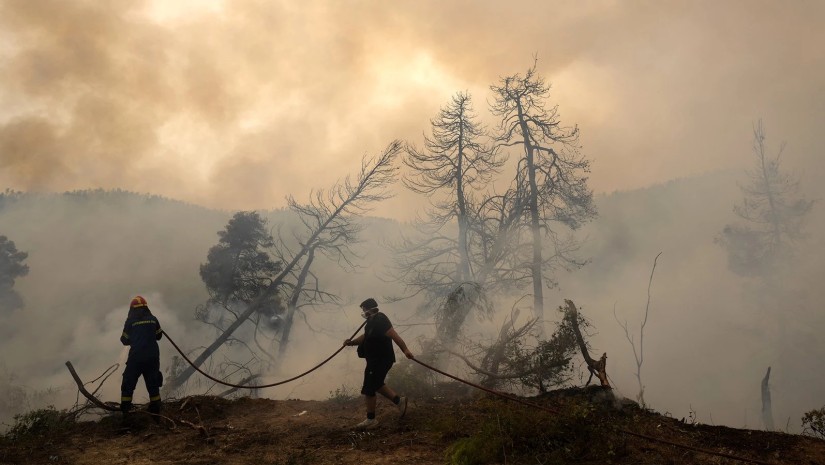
pixel 80 387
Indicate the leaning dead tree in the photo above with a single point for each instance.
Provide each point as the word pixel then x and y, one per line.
pixel 329 222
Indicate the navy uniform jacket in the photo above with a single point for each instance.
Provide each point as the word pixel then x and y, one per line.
pixel 141 333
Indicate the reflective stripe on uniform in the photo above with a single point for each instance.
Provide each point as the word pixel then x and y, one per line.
pixel 143 322
pixel 126 399
pixel 125 336
pixel 154 398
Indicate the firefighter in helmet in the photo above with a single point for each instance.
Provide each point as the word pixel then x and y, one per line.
pixel 141 333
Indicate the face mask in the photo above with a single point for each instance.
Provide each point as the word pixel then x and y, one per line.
pixel 366 313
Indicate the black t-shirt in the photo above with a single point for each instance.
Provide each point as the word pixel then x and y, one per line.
pixel 377 345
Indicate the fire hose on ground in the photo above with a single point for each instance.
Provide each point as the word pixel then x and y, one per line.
pixel 503 395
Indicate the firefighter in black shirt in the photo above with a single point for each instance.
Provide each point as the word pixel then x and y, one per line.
pixel 141 333
pixel 375 345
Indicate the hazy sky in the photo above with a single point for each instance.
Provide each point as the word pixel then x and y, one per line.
pixel 235 104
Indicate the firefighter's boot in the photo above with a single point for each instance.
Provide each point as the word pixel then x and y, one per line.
pixel 154 409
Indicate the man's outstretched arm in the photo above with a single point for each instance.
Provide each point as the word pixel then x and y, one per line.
pixel 400 341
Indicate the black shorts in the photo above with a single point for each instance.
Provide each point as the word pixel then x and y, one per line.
pixel 374 375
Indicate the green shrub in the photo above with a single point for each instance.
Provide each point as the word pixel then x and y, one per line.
pixel 413 380
pixel 813 423
pixel 39 422
pixel 474 450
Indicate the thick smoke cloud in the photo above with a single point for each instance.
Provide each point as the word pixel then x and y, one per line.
pixel 213 102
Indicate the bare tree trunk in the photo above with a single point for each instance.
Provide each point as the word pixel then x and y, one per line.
pixel 463 252
pixel 556 192
pixel 767 411
pixel 535 228
pixel 292 306
pixel 535 221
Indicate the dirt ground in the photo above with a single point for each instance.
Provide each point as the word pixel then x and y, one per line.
pixel 209 430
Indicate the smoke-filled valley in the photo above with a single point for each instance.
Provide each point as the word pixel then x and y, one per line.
pixel 710 336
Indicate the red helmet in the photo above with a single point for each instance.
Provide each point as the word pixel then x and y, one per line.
pixel 138 302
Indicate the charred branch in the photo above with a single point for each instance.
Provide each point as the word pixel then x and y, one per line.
pixel 597 368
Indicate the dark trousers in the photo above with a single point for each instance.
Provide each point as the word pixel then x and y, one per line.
pixel 150 370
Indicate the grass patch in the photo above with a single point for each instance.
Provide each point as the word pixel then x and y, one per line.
pixel 506 433
pixel 343 395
